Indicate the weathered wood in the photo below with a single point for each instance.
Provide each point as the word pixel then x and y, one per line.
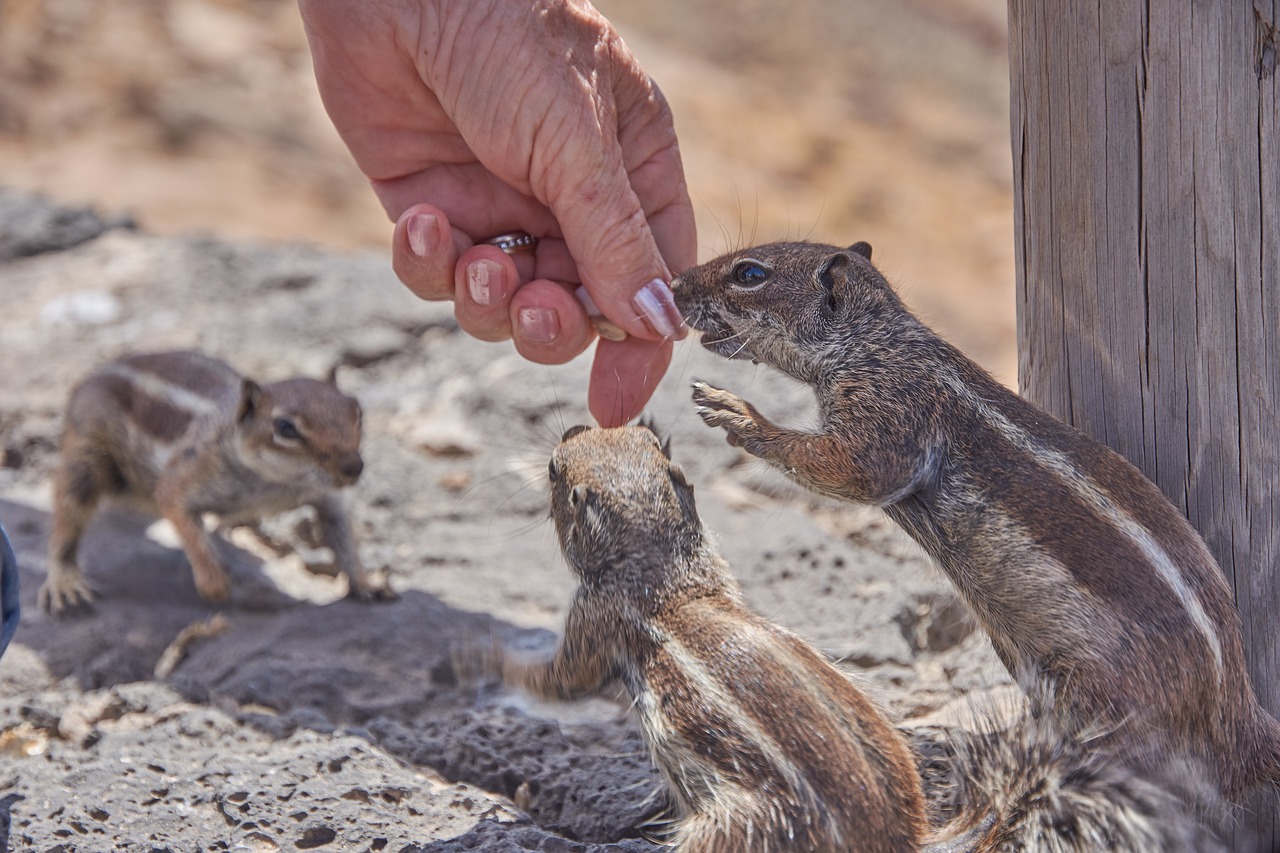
pixel 1146 147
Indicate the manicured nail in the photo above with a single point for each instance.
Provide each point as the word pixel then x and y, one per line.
pixel 423 234
pixel 657 307
pixel 484 281
pixel 539 325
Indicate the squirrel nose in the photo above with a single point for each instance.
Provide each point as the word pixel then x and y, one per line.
pixel 351 466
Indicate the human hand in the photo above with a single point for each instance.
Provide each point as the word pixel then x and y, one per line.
pixel 502 116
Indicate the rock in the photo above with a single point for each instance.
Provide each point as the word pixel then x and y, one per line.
pixel 30 225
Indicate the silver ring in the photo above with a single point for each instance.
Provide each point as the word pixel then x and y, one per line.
pixel 514 242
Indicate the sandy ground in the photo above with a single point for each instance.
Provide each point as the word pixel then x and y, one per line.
pixel 314 722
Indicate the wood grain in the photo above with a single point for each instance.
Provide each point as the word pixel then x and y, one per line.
pixel 1146 149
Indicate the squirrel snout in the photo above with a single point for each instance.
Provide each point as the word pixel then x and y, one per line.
pixel 350 467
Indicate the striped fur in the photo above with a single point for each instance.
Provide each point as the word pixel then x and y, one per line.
pixel 182 435
pixel 1076 565
pixel 764 745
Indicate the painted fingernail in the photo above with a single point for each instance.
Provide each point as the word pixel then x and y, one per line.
pixel 484 281
pixel 657 307
pixel 423 234
pixel 539 325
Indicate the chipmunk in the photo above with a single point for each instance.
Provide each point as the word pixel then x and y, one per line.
pixel 765 746
pixel 183 435
pixel 1075 564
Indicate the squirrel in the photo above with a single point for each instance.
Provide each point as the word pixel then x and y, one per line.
pixel 763 743
pixel 1076 565
pixel 182 434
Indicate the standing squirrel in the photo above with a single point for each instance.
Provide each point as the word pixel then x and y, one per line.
pixel 1076 565
pixel 764 745
pixel 184 435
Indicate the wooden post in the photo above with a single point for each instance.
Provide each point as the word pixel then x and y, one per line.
pixel 1146 152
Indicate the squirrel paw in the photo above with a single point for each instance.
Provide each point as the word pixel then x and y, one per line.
pixel 213 584
pixel 719 408
pixel 62 591
pixel 372 588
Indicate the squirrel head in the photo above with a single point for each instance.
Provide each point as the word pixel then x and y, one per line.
pixel 624 512
pixel 785 304
pixel 300 431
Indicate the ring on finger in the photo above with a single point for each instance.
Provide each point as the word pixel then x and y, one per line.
pixel 514 242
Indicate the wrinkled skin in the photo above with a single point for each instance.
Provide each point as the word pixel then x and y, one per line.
pixel 477 118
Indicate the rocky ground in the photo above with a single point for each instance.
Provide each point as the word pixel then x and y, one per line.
pixel 311 720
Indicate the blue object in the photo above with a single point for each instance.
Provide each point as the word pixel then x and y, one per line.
pixel 8 592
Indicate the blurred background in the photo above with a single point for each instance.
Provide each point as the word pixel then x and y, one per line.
pixel 832 120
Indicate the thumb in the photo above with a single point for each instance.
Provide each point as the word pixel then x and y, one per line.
pixel 608 235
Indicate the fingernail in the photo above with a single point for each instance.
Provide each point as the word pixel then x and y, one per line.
pixel 484 279
pixel 657 307
pixel 423 234
pixel 604 327
pixel 539 325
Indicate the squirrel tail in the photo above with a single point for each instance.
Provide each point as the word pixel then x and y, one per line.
pixel 1271 749
pixel 1045 784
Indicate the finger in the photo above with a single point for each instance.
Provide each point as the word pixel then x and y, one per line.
pixel 424 251
pixel 657 173
pixel 616 254
pixel 624 377
pixel 676 234
pixel 485 279
pixel 479 203
pixel 548 324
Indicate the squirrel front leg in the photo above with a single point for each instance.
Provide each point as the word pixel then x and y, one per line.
pixel 580 665
pixel 211 578
pixel 337 535
pixel 836 465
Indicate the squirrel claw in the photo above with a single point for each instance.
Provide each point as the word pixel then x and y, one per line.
pixel 55 597
pixel 719 408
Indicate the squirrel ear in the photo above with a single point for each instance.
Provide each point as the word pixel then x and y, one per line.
pixel 663 443
pixel 332 376
pixel 862 247
pixel 684 492
pixel 250 399
pixel 830 276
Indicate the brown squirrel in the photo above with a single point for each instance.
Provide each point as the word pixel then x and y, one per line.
pixel 183 434
pixel 764 745
pixel 1077 566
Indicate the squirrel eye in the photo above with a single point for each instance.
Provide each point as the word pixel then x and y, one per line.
pixel 749 274
pixel 286 429
pixel 553 471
